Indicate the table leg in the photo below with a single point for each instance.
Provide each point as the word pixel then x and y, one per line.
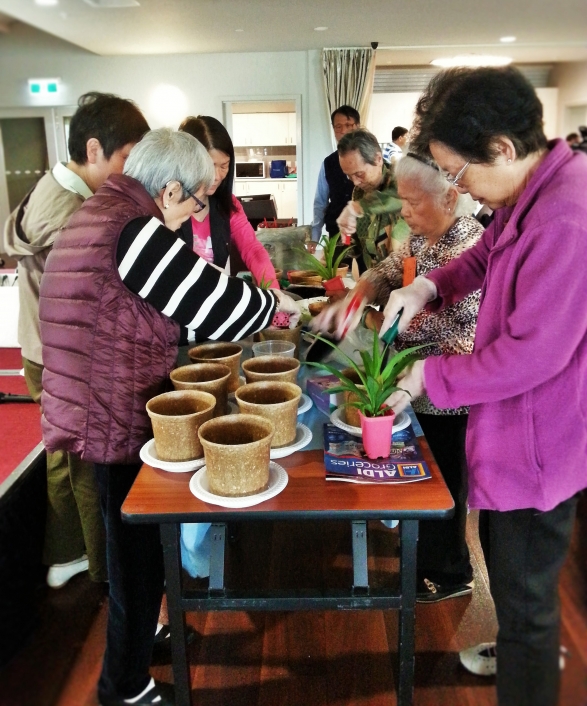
pixel 217 544
pixel 408 543
pixel 172 557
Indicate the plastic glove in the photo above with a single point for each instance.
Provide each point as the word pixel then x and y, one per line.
pixel 412 381
pixel 412 299
pixel 347 221
pixel 289 306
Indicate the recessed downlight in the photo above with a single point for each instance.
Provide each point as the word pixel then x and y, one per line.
pixel 471 60
pixel 507 40
pixel 320 29
pixel 46 3
pixel 239 30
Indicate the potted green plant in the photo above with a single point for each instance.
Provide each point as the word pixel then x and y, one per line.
pixel 329 271
pixel 378 377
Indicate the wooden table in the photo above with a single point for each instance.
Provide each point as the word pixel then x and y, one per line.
pixel 165 498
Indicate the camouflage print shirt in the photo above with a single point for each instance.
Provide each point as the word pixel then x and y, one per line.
pixel 381 209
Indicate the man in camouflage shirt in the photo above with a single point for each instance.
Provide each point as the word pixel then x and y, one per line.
pixel 372 217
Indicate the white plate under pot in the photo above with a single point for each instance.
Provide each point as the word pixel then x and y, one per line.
pixel 402 421
pixel 278 479
pixel 149 456
pixel 303 438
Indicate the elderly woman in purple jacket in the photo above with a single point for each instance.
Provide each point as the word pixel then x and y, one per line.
pixel 526 380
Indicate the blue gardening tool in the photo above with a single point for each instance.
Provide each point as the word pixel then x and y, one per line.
pixel 389 337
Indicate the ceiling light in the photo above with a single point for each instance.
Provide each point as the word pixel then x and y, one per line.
pixel 472 60
pixel 507 40
pixel 239 30
pixel 46 3
pixel 112 3
pixel 320 29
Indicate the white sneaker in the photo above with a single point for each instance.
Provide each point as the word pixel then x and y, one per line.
pixel 482 659
pixel 59 574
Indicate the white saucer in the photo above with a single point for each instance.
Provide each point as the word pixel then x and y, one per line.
pixel 305 404
pixel 278 479
pixel 242 381
pixel 402 421
pixel 149 455
pixel 303 438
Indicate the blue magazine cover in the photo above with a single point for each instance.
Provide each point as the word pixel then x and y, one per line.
pixel 345 459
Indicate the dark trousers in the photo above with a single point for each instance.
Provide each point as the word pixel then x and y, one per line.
pixel 524 552
pixel 443 555
pixel 135 570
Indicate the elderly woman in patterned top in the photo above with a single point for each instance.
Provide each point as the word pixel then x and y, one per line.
pixel 440 231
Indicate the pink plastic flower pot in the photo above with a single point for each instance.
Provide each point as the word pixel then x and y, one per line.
pixel 377 433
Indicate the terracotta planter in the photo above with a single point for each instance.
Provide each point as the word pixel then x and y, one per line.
pixel 342 271
pixel 271 368
pixel 304 277
pixel 334 285
pixel 236 448
pixel 176 418
pixel 292 335
pixel 316 307
pixel 207 377
pixel 351 414
pixel 376 432
pixel 228 354
pixel 276 401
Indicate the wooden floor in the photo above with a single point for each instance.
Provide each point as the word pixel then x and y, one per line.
pixel 299 659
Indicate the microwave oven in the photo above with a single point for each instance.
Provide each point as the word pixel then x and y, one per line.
pixel 250 170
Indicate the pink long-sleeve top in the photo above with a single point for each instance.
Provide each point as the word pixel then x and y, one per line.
pixel 526 380
pixel 242 234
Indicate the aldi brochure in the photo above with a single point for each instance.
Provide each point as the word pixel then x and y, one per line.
pixel 345 459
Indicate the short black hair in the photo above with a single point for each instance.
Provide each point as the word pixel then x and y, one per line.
pixel 113 121
pixel 214 136
pixel 467 108
pixel 572 136
pixel 363 141
pixel 398 131
pixel 349 112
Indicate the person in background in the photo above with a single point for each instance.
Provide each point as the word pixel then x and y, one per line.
pixel 118 285
pixel 101 134
pixel 441 228
pixel 212 230
pixel 573 139
pixel 582 144
pixel 394 150
pixel 525 381
pixel 371 215
pixel 334 189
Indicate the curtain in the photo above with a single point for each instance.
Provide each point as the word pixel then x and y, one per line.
pixel 348 78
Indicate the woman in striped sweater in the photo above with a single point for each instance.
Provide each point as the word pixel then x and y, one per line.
pixel 117 288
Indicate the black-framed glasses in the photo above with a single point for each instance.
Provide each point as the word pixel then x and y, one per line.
pixel 200 205
pixel 454 181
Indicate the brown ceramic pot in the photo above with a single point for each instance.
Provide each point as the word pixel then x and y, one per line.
pixel 276 401
pixel 283 334
pixel 316 307
pixel 176 417
pixel 342 271
pixel 271 368
pixel 236 448
pixel 228 354
pixel 208 377
pixel 351 414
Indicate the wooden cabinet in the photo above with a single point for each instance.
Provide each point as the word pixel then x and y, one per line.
pixel 263 129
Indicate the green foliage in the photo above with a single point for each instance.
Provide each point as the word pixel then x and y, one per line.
pixel 378 378
pixel 329 269
pixel 265 283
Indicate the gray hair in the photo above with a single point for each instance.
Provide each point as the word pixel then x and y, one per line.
pixel 428 175
pixel 165 155
pixel 363 141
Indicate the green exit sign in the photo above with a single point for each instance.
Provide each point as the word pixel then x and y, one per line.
pixel 43 86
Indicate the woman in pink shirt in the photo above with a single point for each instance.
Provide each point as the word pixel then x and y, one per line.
pixel 211 231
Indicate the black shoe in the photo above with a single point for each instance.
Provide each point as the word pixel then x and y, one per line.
pixel 430 592
pixel 159 694
pixel 162 644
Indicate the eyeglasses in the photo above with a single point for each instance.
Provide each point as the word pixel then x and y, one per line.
pixel 200 205
pixel 455 180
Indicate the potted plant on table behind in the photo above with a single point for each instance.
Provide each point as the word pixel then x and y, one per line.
pixel 378 380
pixel 329 272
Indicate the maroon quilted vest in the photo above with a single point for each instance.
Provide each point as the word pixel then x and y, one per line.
pixel 106 351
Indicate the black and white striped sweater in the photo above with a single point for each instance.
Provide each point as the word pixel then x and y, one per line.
pixel 158 267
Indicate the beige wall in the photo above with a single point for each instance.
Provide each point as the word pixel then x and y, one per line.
pixel 571 80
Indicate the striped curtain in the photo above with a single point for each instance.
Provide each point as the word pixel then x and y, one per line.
pixel 348 78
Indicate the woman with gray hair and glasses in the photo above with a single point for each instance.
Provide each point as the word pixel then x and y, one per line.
pixel 118 287
pixel 441 229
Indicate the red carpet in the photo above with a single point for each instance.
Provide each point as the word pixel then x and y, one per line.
pixel 20 423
